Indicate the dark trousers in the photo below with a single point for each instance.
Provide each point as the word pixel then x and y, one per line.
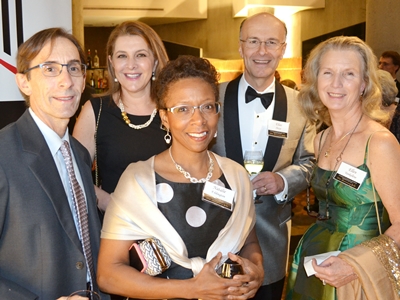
pixel 271 291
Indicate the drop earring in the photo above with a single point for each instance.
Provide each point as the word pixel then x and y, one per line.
pixel 153 76
pixel 167 137
pixel 216 134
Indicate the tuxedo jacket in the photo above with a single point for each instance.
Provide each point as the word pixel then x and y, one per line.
pixel 41 256
pixel 291 157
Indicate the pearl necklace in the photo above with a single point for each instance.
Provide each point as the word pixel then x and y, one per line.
pixel 128 122
pixel 187 174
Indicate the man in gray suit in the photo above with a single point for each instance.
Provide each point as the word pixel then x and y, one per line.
pixel 273 124
pixel 41 247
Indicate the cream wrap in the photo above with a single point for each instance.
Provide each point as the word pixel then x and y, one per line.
pixel 133 214
pixel 376 263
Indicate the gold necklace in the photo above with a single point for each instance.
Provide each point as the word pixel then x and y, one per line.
pixel 327 152
pixel 328 181
pixel 128 122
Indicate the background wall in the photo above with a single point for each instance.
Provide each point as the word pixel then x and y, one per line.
pixel 218 35
pixel 336 15
pixel 383 30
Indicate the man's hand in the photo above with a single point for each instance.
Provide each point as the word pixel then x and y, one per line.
pixel 268 183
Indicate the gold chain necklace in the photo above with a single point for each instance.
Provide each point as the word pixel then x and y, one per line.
pixel 187 174
pixel 327 152
pixel 328 181
pixel 128 122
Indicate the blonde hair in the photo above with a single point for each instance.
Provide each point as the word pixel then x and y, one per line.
pixel 371 98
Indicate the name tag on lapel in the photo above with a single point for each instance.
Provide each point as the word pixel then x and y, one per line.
pixel 278 129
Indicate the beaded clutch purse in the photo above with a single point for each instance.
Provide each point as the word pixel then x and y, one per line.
pixel 149 256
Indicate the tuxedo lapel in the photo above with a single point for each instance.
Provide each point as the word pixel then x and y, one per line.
pixel 41 163
pixel 274 144
pixel 233 145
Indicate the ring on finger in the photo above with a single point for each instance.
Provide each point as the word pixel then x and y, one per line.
pixel 323 282
pixel 265 189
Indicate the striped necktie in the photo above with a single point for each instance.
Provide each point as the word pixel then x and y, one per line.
pixel 80 209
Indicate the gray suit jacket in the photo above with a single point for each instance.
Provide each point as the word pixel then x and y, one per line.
pixel 41 256
pixel 290 157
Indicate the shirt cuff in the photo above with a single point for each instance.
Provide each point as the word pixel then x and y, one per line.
pixel 282 196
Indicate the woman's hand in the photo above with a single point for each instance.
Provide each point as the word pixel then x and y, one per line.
pixel 208 285
pixel 103 198
pixel 251 279
pixel 334 271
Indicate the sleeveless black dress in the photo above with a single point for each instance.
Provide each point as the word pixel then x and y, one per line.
pixel 118 145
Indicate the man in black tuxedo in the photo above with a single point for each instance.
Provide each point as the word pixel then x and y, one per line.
pixel 260 114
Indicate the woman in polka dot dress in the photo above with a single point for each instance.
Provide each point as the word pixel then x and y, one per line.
pixel 198 204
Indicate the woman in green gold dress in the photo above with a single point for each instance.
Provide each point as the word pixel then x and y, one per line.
pixel 355 178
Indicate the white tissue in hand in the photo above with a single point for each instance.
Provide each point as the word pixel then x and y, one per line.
pixel 320 258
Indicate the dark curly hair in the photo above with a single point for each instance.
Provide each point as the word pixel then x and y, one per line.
pixel 185 66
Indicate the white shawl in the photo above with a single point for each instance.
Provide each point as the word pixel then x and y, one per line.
pixel 133 214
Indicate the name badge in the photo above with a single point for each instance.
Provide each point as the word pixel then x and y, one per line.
pixel 278 129
pixel 350 175
pixel 218 195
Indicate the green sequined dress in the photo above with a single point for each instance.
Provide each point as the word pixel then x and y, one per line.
pixel 353 220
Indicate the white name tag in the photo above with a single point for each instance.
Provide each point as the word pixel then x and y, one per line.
pixel 218 195
pixel 350 175
pixel 278 129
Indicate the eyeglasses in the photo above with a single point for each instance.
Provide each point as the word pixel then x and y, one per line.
pixel 186 111
pixel 53 69
pixel 255 43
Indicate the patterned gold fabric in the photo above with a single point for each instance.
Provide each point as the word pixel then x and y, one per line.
pixel 377 274
pixel 388 253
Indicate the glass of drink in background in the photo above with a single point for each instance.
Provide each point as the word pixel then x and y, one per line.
pixel 253 162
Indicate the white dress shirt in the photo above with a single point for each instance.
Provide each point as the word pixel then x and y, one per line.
pixel 253 122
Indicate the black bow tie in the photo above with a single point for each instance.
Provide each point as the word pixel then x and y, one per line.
pixel 266 98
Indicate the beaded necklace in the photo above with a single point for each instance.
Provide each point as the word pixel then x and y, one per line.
pixel 128 122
